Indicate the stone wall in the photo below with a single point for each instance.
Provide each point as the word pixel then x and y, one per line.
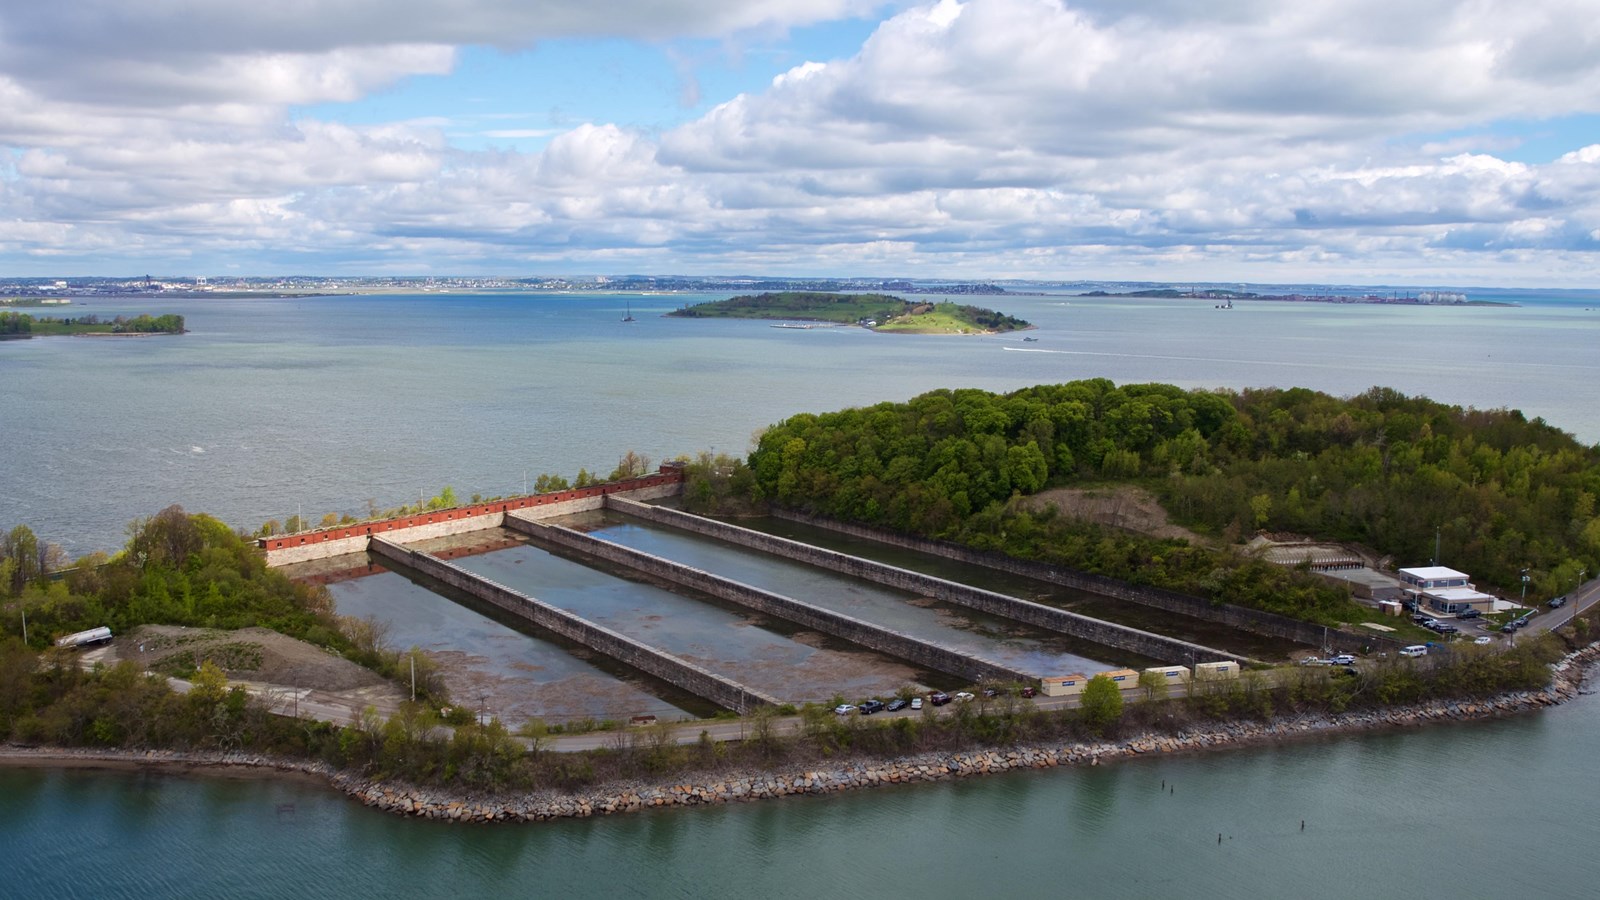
pixel 282 550
pixel 1240 617
pixel 722 691
pixel 1110 634
pixel 866 634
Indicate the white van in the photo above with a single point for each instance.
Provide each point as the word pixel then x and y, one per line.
pixel 1414 650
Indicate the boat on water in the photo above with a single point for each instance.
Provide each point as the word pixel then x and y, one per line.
pixel 628 317
pixel 800 325
pixel 1029 340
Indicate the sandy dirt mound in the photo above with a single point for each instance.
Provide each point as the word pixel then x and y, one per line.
pixel 249 654
pixel 1119 506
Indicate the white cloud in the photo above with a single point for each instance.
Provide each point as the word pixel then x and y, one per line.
pixel 990 137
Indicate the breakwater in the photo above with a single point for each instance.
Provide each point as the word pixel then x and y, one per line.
pixel 1155 646
pixel 1241 617
pixel 863 633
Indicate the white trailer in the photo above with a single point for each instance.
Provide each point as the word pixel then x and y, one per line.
pixel 101 635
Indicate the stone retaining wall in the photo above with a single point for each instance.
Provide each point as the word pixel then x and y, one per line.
pixel 1155 646
pixel 1255 620
pixel 866 634
pixel 722 691
pixel 282 550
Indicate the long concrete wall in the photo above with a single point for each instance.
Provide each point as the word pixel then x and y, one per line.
pixel 722 691
pixel 282 550
pixel 866 634
pixel 1110 634
pixel 1244 618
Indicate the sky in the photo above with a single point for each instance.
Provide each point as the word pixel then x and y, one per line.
pixel 1426 142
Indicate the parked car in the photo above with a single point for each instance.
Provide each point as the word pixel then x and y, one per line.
pixel 963 696
pixel 897 704
pixel 1414 650
pixel 1470 613
pixel 938 698
pixel 916 702
pixel 1447 628
pixel 1558 602
pixel 868 707
pixel 1508 628
pixel 1482 639
pixel 1310 661
pixel 844 709
pixel 1030 691
pixel 990 692
pixel 1343 659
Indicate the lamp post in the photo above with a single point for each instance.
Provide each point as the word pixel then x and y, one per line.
pixel 1524 587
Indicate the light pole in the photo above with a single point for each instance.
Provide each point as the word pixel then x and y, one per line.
pixel 1524 587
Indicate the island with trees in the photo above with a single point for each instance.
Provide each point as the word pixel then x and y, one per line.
pixel 15 325
pixel 879 312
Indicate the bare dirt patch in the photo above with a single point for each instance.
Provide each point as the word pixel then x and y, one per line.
pixel 249 654
pixel 1121 506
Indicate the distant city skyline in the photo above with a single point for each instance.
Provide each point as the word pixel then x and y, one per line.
pixel 1427 143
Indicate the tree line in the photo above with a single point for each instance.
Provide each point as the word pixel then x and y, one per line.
pixel 1500 492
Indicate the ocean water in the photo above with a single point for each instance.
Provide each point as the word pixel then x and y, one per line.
pixel 329 404
pixel 271 407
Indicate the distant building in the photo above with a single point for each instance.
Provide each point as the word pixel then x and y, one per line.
pixel 1444 590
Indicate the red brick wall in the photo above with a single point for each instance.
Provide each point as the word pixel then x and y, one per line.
pixel 667 475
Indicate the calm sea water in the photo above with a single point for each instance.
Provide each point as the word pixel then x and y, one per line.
pixel 319 405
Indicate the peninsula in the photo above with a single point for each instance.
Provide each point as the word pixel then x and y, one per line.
pixel 879 312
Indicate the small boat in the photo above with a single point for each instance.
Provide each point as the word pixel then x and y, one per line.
pixel 629 316
pixel 1029 340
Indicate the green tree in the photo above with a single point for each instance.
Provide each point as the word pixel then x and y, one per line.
pixel 1100 705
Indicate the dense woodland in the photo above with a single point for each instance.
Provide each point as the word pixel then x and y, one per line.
pixel 1381 469
pixel 15 324
pixel 178 569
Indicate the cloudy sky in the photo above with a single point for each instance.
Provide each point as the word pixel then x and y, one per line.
pixel 1448 142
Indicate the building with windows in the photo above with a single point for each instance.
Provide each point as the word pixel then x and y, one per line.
pixel 1439 589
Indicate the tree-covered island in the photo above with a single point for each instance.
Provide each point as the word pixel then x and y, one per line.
pixel 15 325
pixel 880 312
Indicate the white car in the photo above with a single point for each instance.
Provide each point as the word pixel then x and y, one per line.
pixel 963 696
pixel 1343 659
pixel 916 702
pixel 1482 639
pixel 1310 661
pixel 844 709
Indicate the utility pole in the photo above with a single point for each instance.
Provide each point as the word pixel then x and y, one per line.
pixel 1524 587
pixel 24 625
pixel 1436 532
pixel 413 677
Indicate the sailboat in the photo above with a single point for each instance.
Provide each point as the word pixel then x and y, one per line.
pixel 629 316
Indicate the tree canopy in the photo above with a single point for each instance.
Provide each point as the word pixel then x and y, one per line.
pixel 1382 469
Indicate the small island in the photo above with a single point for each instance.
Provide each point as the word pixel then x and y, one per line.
pixel 15 326
pixel 879 312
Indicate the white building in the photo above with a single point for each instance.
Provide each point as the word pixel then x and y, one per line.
pixel 1444 590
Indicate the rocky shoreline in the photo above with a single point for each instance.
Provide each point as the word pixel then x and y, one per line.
pixel 447 805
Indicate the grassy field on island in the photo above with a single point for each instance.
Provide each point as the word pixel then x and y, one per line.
pixel 880 312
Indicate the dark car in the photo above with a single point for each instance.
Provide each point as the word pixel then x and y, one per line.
pixel 897 704
pixel 1447 628
pixel 991 692
pixel 1469 614
pixel 1029 691
pixel 938 698
pixel 868 707
pixel 1558 602
pixel 1508 628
